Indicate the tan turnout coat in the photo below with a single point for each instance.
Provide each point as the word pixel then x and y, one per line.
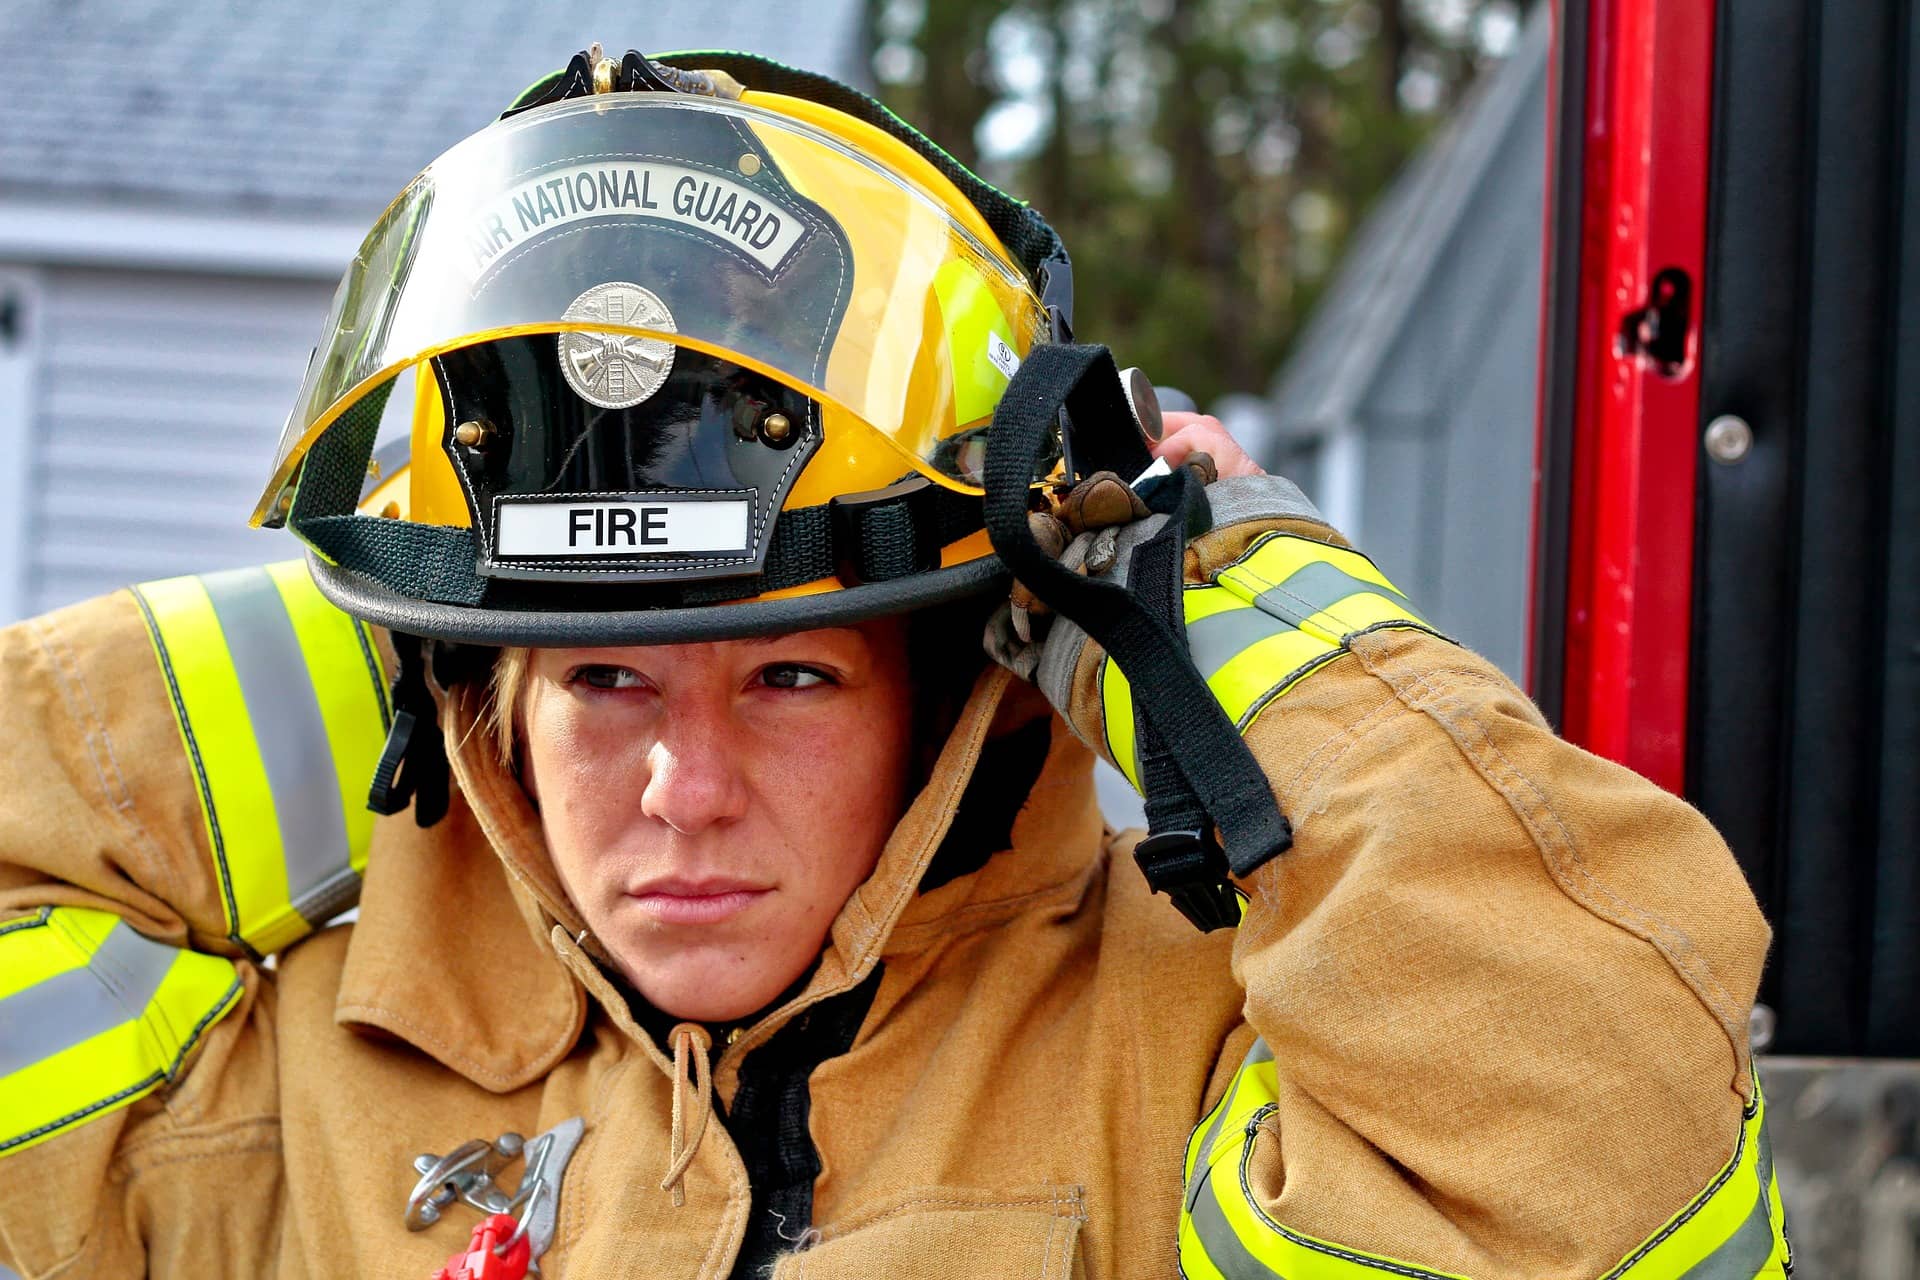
pixel 1506 985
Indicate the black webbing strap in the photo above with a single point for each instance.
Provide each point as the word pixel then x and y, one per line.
pixel 871 537
pixel 1180 856
pixel 1196 771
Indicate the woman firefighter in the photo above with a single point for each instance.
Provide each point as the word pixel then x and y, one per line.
pixel 750 919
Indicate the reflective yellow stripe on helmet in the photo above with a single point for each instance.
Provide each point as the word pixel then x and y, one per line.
pixel 1274 616
pixel 1732 1229
pixel 92 1016
pixel 281 706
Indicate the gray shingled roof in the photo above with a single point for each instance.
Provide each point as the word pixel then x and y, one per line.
pixel 324 108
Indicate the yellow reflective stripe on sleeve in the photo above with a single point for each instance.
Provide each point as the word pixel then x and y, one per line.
pixel 217 734
pixel 1224 1234
pixel 94 1016
pixel 1290 606
pixel 282 713
pixel 1734 1230
pixel 1274 616
pixel 30 966
pixel 1116 717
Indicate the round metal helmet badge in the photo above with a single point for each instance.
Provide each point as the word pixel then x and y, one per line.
pixel 616 370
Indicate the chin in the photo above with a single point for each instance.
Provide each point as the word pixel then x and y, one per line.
pixel 713 993
pixel 709 1014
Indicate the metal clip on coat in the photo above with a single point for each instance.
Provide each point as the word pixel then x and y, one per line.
pixel 1197 775
pixel 471 1173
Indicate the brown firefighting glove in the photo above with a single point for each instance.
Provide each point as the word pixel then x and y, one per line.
pixel 1096 529
pixel 1085 532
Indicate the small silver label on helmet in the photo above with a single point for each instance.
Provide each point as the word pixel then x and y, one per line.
pixel 616 370
pixel 1001 356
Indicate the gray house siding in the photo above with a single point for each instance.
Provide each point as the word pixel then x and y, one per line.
pixel 1410 398
pixel 157 403
pixel 169 240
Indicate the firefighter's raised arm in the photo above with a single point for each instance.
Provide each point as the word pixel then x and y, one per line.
pixel 1501 986
pixel 186 765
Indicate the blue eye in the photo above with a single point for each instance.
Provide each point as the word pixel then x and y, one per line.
pixel 791 675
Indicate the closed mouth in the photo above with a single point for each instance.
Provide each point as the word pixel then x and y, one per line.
pixel 682 901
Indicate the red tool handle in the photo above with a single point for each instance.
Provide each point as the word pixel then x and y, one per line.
pixel 480 1261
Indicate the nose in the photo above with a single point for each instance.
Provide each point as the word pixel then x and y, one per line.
pixel 694 777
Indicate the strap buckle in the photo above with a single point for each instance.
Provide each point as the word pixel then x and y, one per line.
pixel 390 792
pixel 1190 868
pixel 413 763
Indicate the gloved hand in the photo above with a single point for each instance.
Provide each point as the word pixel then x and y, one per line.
pixel 1242 588
pixel 1082 531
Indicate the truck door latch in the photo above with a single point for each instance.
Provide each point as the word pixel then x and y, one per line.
pixel 1658 329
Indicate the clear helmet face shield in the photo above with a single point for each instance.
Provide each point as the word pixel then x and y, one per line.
pixel 666 295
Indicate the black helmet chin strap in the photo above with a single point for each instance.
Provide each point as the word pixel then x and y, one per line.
pixel 1196 772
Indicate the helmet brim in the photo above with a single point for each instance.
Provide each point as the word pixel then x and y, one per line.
pixel 379 604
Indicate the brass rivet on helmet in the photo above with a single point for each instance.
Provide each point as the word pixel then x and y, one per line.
pixel 749 164
pixel 474 434
pixel 603 68
pixel 775 428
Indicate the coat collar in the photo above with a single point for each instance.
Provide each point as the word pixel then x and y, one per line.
pixel 456 952
pixel 445 957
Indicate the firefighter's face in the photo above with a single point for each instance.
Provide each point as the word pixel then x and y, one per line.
pixel 711 807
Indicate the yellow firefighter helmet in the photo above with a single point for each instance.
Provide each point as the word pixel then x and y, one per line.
pixel 688 361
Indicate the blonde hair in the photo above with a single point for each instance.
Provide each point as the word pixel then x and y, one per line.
pixel 502 713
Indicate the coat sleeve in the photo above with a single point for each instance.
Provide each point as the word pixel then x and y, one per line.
pixel 1500 985
pixel 186 765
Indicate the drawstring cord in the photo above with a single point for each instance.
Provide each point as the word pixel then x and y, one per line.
pixel 689 1040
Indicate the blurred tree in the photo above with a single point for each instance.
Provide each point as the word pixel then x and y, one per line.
pixel 1205 160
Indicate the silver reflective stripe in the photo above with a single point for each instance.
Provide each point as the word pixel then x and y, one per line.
pixel 331 896
pixel 292 737
pixel 1224 1247
pixel 112 988
pixel 1314 587
pixel 1743 1253
pixel 1201 1164
pixel 1258 1053
pixel 1219 638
